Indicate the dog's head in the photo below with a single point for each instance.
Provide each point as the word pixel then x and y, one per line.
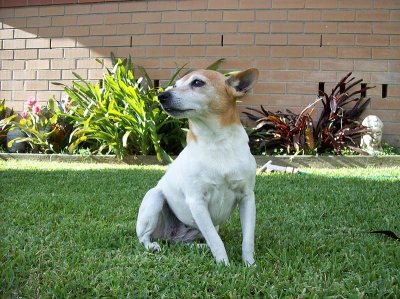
pixel 202 93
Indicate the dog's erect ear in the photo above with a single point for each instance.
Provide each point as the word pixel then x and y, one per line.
pixel 242 82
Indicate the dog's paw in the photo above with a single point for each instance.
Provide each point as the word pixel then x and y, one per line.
pixel 222 261
pixel 249 261
pixel 153 247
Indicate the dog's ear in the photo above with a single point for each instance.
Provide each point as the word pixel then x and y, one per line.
pixel 242 82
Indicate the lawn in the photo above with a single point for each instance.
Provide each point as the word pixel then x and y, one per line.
pixel 68 230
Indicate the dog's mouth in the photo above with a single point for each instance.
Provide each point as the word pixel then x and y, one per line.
pixel 176 110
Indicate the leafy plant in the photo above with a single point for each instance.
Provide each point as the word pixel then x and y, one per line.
pixel 45 128
pixel 5 115
pixel 123 116
pixel 336 128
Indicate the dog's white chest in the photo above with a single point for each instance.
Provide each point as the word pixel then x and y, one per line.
pixel 217 180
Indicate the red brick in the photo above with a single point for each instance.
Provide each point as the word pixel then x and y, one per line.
pixel 12 85
pixel 336 65
pixel 271 64
pixel 49 74
pixel 254 27
pixel 165 51
pixel 310 51
pixel 271 15
pixel 304 39
pixel 222 4
pixel 26 12
pixel 118 18
pixel 117 40
pixel 77 9
pixel 182 51
pixel 372 15
pixel 302 64
pixel 257 4
pixel 288 3
pixel 371 65
pixel 175 39
pixel 129 28
pixel 395 40
pixel 39 43
pixel 8 75
pixel 51 32
pixel 14 44
pixel 6 33
pixel 104 8
pixel 372 40
pixel 321 76
pixel 355 3
pixel 217 27
pixel 338 39
pixel 38 22
pixel 107 30
pixel 87 64
pixel 304 15
pixel 14 23
pixel 268 88
pixel 161 5
pixel 50 53
pixel 13 65
pixel 206 16
pixel 302 88
pixel 141 40
pixel 358 27
pixel 25 54
pixel 385 53
pixel 387 28
pixel 76 31
pixel 159 28
pixel 338 15
pixel 147 17
pixel 240 39
pixel 395 15
pixel 36 85
pixel 76 53
pixel 320 27
pixel 89 41
pixel 253 51
pixel 176 16
pixel 7 12
pixel 353 52
pixel 132 6
pixel 288 51
pixel 7 54
pixel 25 34
pixel 191 5
pixel 90 19
pixel 271 39
pixel 51 10
pixel 286 27
pixel 190 28
pixel 238 16
pixel 64 20
pixel 321 4
pixel 206 39
pixel 387 4
pixel 38 64
pixel 229 51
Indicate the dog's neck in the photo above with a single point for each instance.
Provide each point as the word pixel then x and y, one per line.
pixel 215 129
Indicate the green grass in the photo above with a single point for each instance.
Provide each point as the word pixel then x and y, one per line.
pixel 68 230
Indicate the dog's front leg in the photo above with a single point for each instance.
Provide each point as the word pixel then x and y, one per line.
pixel 202 217
pixel 248 222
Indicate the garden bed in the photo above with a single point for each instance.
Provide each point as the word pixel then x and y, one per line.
pixel 292 161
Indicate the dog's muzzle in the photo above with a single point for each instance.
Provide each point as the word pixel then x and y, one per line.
pixel 171 106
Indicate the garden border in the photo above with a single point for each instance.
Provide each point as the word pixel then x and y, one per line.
pixel 302 161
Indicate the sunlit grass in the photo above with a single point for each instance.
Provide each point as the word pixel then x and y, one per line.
pixel 68 230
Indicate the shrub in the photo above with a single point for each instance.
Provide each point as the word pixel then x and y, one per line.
pixel 337 127
pixel 45 127
pixel 123 115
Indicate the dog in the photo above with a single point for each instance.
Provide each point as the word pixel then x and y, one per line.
pixel 213 174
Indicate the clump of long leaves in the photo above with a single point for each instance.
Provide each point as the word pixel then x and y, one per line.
pixel 5 115
pixel 337 127
pixel 123 116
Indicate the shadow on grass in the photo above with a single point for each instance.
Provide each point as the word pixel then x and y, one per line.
pixel 72 233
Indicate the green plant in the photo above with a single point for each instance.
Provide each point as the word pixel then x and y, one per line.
pixel 45 128
pixel 6 114
pixel 337 128
pixel 123 116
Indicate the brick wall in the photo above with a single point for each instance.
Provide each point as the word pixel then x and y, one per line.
pixel 294 43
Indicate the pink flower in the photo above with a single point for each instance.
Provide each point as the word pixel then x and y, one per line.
pixel 31 101
pixel 24 114
pixel 36 110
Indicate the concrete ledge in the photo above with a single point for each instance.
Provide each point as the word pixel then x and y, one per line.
pixel 292 161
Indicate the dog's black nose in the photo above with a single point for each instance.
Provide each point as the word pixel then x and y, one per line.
pixel 164 96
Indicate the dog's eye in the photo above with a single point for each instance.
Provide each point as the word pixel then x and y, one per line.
pixel 197 83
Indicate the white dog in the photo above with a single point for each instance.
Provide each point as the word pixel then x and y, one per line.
pixel 214 173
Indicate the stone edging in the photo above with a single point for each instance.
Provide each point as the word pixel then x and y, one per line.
pixel 292 161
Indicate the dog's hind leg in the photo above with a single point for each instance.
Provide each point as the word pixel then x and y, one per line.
pixel 149 218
